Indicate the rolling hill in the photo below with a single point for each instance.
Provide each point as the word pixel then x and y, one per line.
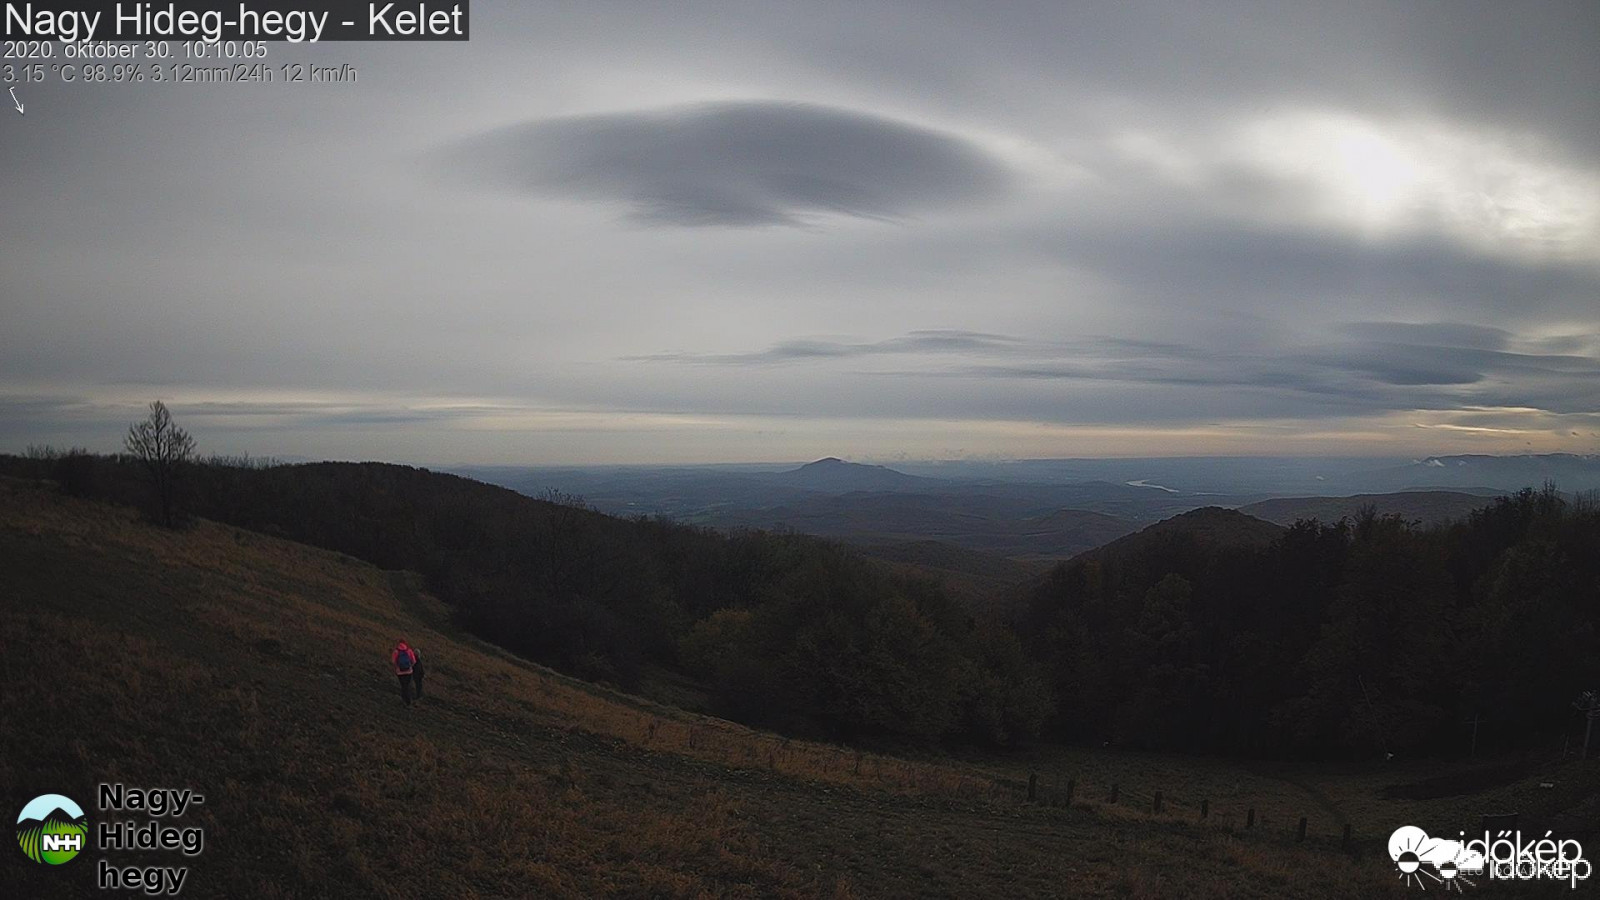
pixel 1209 526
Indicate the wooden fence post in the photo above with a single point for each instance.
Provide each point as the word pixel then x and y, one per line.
pixel 1158 801
pixel 1205 808
pixel 1115 790
pixel 1072 785
pixel 1300 833
pixel 1033 786
pixel 1250 818
pixel 1344 842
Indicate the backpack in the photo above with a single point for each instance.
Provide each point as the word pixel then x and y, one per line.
pixel 404 662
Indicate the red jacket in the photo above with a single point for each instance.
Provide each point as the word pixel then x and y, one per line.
pixel 394 658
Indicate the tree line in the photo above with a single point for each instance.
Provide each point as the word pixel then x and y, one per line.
pixel 1367 636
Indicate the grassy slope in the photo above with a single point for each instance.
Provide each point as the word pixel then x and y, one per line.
pixel 255 671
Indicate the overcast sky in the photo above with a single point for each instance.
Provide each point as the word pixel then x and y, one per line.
pixel 679 232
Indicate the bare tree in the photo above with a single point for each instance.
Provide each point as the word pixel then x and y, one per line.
pixel 163 449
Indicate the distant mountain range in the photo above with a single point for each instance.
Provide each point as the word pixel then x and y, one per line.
pixel 1290 476
pixel 1428 507
pixel 1004 526
pixel 1491 474
pixel 722 495
pixel 970 523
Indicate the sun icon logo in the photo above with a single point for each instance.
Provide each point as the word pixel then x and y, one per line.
pixel 1414 854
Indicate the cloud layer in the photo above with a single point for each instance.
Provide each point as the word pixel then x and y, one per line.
pixel 1363 367
pixel 710 231
pixel 738 164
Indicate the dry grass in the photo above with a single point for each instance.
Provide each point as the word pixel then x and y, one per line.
pixel 1329 796
pixel 255 672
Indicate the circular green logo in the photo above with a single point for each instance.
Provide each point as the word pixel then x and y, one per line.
pixel 52 829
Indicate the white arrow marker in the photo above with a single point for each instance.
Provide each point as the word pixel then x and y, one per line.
pixel 16 101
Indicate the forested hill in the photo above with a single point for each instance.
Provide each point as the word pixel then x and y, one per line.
pixel 1365 636
pixel 1209 528
pixel 784 630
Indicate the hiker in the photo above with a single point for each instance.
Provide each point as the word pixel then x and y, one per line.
pixel 405 665
pixel 416 672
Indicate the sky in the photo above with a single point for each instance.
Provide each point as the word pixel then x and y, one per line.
pixel 725 232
